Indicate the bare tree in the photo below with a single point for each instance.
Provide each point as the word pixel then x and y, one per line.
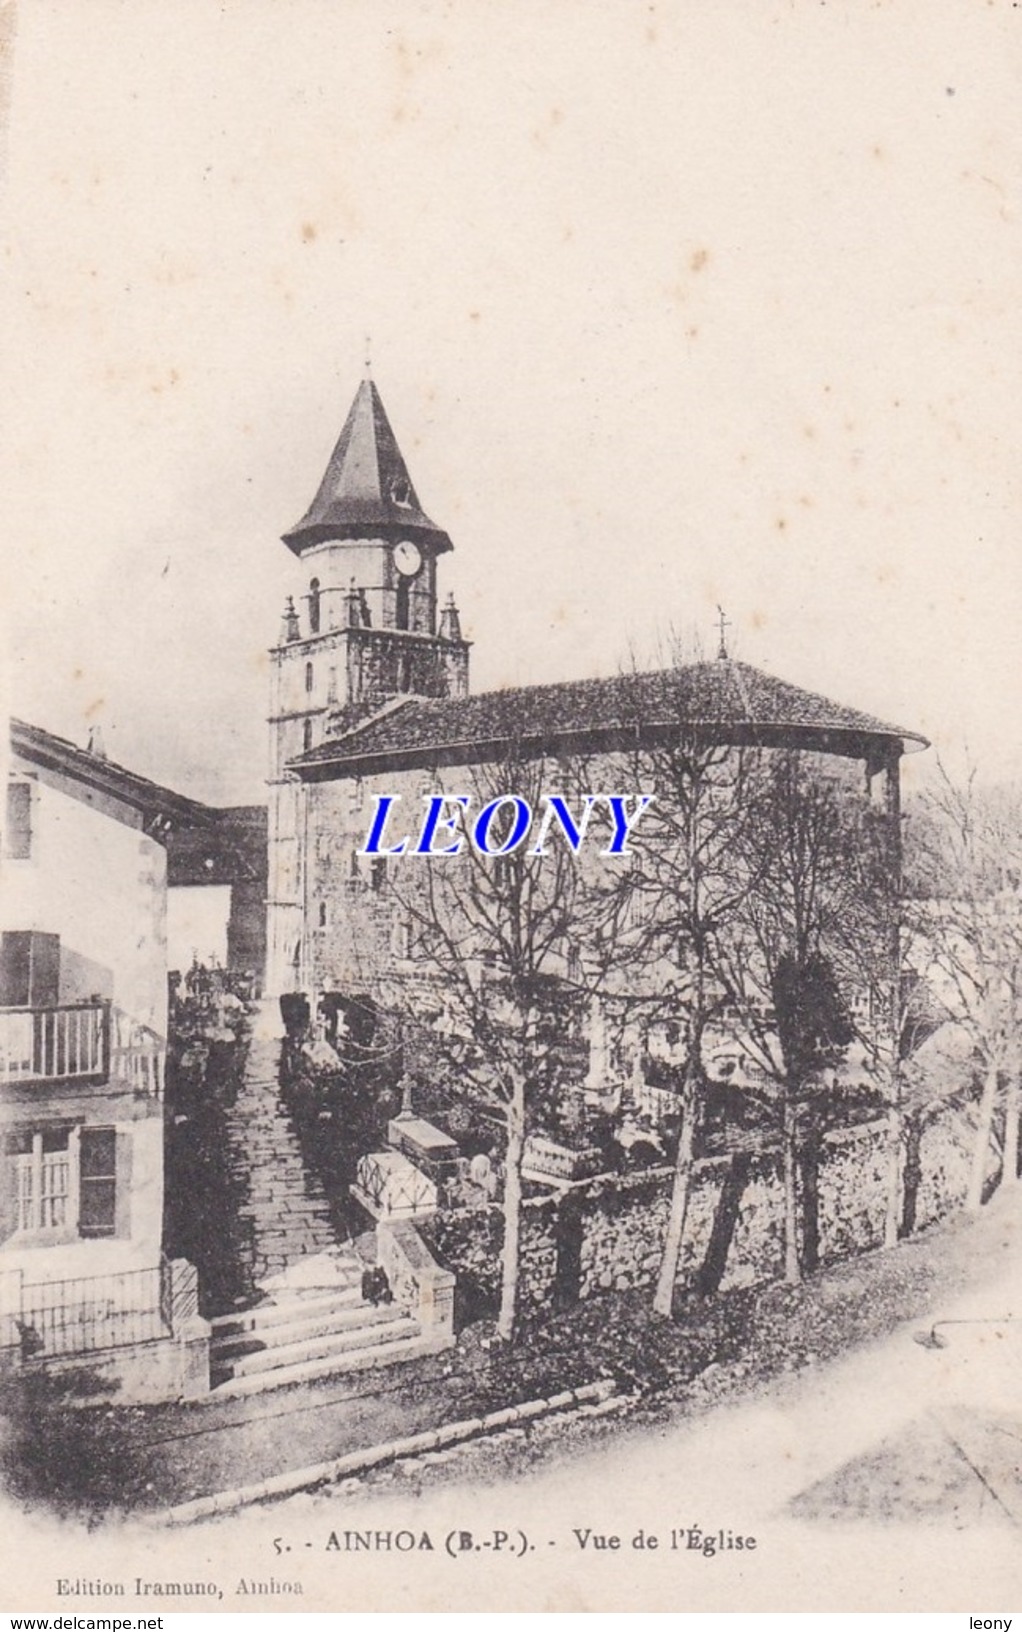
pixel 683 887
pixel 866 943
pixel 785 959
pixel 967 867
pixel 490 934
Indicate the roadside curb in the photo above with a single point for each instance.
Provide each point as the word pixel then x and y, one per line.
pixel 598 1394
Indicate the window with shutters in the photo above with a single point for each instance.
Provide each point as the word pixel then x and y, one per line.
pixel 63 1182
pixel 17 837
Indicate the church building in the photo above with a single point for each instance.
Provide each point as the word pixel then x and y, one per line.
pixel 371 696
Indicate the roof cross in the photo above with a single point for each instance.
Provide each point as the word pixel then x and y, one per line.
pixel 723 624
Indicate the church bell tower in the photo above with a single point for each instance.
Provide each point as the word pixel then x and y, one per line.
pixel 361 628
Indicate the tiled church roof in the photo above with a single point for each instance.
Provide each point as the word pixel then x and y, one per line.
pixel 721 701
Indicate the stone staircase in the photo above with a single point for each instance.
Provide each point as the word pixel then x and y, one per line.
pixel 285 1215
pixel 310 1320
pixel 303 1337
pixel 313 1323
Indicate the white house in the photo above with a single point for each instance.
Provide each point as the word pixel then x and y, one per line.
pixel 83 1029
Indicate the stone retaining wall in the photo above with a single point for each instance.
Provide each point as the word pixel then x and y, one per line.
pixel 945 1157
pixel 853 1192
pixel 607 1234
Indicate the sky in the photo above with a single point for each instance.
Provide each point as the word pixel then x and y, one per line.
pixel 671 305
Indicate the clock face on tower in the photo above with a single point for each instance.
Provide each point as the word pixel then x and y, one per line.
pixel 407 559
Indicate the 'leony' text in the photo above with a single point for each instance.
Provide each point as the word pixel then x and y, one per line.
pixel 503 824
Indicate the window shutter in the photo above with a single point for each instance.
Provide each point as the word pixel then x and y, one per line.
pixel 18 834
pixel 97 1182
pixel 9 1182
pixel 122 1208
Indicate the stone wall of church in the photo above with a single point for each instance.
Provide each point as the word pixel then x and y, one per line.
pixel 353 902
pixel 357 934
pixel 358 931
pixel 384 663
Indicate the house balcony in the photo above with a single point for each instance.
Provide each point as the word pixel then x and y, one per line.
pixel 86 1044
pixel 67 1042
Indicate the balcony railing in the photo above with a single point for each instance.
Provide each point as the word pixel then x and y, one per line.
pixel 137 1056
pixel 68 1042
pixel 79 1042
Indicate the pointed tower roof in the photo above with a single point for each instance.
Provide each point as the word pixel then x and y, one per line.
pixel 367 491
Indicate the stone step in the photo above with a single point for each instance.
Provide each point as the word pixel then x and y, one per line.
pixel 336 1318
pixel 385 1354
pixel 386 1326
pixel 285 1162
pixel 260 1200
pixel 313 1206
pixel 371 1328
pixel 335 1300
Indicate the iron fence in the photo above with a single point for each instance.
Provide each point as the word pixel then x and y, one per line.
pixel 93 1313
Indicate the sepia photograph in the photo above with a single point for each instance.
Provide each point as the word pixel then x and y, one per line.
pixel 511 863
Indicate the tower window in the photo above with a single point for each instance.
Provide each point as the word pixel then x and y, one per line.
pixel 322 915
pixel 307 735
pixel 403 673
pixel 402 606
pixel 378 873
pixel 310 676
pixel 314 606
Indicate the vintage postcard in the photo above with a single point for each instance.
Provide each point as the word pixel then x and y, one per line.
pixel 511 896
